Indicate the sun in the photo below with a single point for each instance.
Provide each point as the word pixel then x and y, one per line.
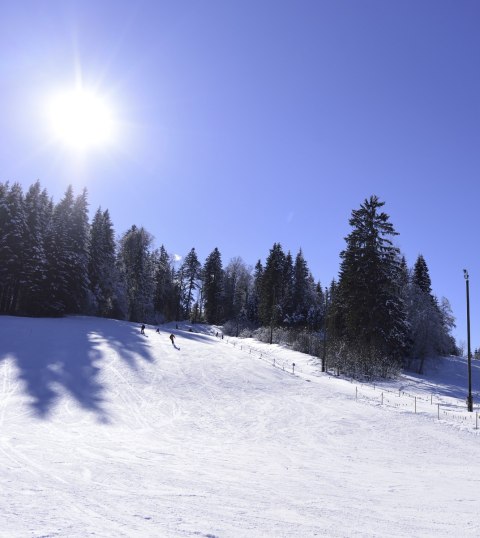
pixel 81 119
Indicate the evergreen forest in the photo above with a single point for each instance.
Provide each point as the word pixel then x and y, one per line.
pixel 379 315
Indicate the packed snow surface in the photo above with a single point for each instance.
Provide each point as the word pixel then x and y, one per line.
pixel 106 432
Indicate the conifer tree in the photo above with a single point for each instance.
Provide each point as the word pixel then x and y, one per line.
pixel 253 305
pixel 189 276
pixel 38 212
pixel 430 323
pixel 101 265
pixel 373 312
pixel 79 255
pixel 305 298
pixel 213 287
pixel 272 287
pixel 421 275
pixel 60 256
pixel 13 231
pixel 288 305
pixel 136 271
pixel 166 295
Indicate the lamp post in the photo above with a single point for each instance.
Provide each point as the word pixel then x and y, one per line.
pixel 469 358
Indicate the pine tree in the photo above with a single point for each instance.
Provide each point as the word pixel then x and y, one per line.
pixel 373 312
pixel 430 322
pixel 253 305
pixel 101 265
pixel 189 275
pixel 316 312
pixel 305 298
pixel 38 211
pixel 79 252
pixel 272 287
pixel 136 271
pixel 213 287
pixel 60 257
pixel 421 276
pixel 163 303
pixel 13 231
pixel 288 301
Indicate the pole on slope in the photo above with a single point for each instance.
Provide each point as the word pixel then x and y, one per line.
pixel 324 355
pixel 469 352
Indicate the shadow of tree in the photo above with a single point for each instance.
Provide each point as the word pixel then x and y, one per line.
pixel 56 356
pixel 448 377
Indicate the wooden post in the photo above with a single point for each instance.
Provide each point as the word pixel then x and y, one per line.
pixel 293 367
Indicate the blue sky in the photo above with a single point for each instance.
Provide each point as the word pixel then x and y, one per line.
pixel 240 124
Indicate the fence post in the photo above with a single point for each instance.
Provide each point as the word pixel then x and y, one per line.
pixel 356 393
pixel 382 398
pixel 476 420
pixel 415 404
pixel 293 367
pixel 438 411
pixel 274 362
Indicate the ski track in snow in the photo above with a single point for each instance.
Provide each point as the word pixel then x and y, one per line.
pixel 124 436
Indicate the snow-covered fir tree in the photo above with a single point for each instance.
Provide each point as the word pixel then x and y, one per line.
pixel 272 287
pixel 189 276
pixel 166 299
pixel 373 315
pixel 13 231
pixel 101 265
pixel 38 212
pixel 136 271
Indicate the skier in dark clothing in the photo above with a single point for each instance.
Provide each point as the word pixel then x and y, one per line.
pixel 172 338
pixel 142 330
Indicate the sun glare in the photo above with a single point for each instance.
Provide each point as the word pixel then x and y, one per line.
pixel 81 119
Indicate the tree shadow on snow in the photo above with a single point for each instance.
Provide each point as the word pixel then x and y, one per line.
pixel 197 337
pixel 66 356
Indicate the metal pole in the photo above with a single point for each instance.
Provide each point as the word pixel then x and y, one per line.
pixel 324 357
pixel 469 359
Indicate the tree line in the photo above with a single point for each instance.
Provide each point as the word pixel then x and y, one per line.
pixel 377 316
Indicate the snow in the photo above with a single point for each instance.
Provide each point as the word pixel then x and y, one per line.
pixel 105 432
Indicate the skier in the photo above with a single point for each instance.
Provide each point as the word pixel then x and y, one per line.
pixel 172 338
pixel 142 330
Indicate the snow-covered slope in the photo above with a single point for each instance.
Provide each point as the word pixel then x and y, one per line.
pixel 105 432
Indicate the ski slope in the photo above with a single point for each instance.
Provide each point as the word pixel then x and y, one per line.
pixel 108 433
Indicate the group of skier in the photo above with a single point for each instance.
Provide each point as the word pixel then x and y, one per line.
pixel 172 336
